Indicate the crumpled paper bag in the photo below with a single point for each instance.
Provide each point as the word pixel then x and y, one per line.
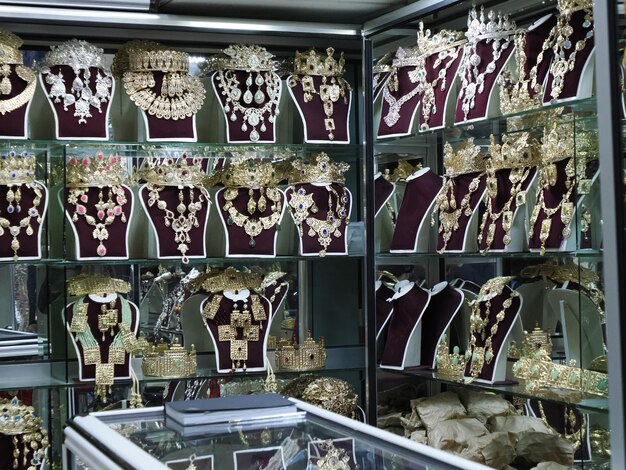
pixel 441 407
pixel 419 436
pixel 455 435
pixel 391 419
pixel 533 448
pixel 494 450
pixel 552 466
pixel 483 406
pixel 517 424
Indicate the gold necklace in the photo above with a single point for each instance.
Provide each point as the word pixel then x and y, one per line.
pixel 575 437
pixel 449 213
pixel 565 61
pixel 182 223
pixel 517 176
pixel 19 100
pixel 106 211
pixel 478 356
pixel 548 178
pixel 254 227
pixel 24 223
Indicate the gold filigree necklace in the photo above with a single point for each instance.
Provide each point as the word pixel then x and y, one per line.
pixel 25 222
pixel 254 226
pixel 19 100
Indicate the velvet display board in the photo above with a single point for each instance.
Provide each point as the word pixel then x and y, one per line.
pixel 535 38
pixel 313 115
pixel 30 246
pixel 407 312
pixel 498 340
pixel 238 242
pixel 309 245
pixel 319 449
pixel 88 372
pixel 482 100
pixel 572 78
pixel 259 458
pixel 399 106
pixel 6 457
pixel 13 123
pixel 554 415
pixel 257 350
pixel 383 190
pixel 419 196
pixel 504 185
pixel 445 302
pixel 159 129
pixel 432 116
pixel 166 243
pixel 87 246
pixel 234 132
pixel 383 308
pixel 461 188
pixel 67 125
pixel 552 197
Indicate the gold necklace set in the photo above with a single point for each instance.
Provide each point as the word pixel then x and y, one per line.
pixel 478 356
pixel 254 226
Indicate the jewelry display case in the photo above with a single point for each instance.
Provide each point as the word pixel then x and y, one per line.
pixel 162 241
pixel 510 219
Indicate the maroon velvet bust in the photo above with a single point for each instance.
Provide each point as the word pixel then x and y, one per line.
pixel 14 104
pixel 241 350
pixel 80 101
pixel 383 190
pixel 419 195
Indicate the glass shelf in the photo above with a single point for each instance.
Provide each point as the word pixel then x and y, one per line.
pixel 407 258
pixel 510 123
pixel 584 402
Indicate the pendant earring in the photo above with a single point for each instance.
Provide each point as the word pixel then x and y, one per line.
pixel 247 96
pixel 10 198
pixel 5 83
pixel 107 319
pixel 251 202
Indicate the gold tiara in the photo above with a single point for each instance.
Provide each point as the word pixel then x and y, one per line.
pixel 567 7
pixel 406 57
pixel 17 168
pixel 249 173
pixel 450 366
pixel 313 62
pixel 169 361
pixel 251 58
pixel 495 26
pixel 561 140
pixel 320 169
pixel 10 48
pixel 516 151
pixel 85 284
pixel 492 288
pixel 402 171
pixel 534 341
pixel 383 64
pixel 121 62
pixel 173 172
pixel 96 171
pixel 160 60
pixel 309 355
pixel 232 280
pixel 429 44
pixel 467 158
pixel 537 372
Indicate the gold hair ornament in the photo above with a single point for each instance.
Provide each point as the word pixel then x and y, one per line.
pixel 85 284
pixel 170 361
pixel 309 355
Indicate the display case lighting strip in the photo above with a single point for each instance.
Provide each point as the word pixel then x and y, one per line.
pixel 141 5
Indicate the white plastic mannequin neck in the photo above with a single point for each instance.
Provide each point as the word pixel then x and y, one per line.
pixel 437 288
pixel 243 294
pixel 539 22
pixel 377 175
pixel 418 173
pixel 108 297
pixel 378 285
pixel 401 288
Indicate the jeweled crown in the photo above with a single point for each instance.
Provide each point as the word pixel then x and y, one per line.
pixel 10 48
pixel 74 53
pixel 406 57
pixel 308 355
pixel 251 58
pixel 450 366
pixel 567 7
pixel 85 284
pixel 232 280
pixel 161 60
pixel 181 172
pixel 313 62
pixel 516 151
pixel 249 173
pixel 383 64
pixel 17 418
pixel 164 360
pixel 121 60
pixel 468 158
pixel 562 140
pixel 496 26
pixel 429 44
pixel 321 169
pixel 17 168
pixel 96 171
